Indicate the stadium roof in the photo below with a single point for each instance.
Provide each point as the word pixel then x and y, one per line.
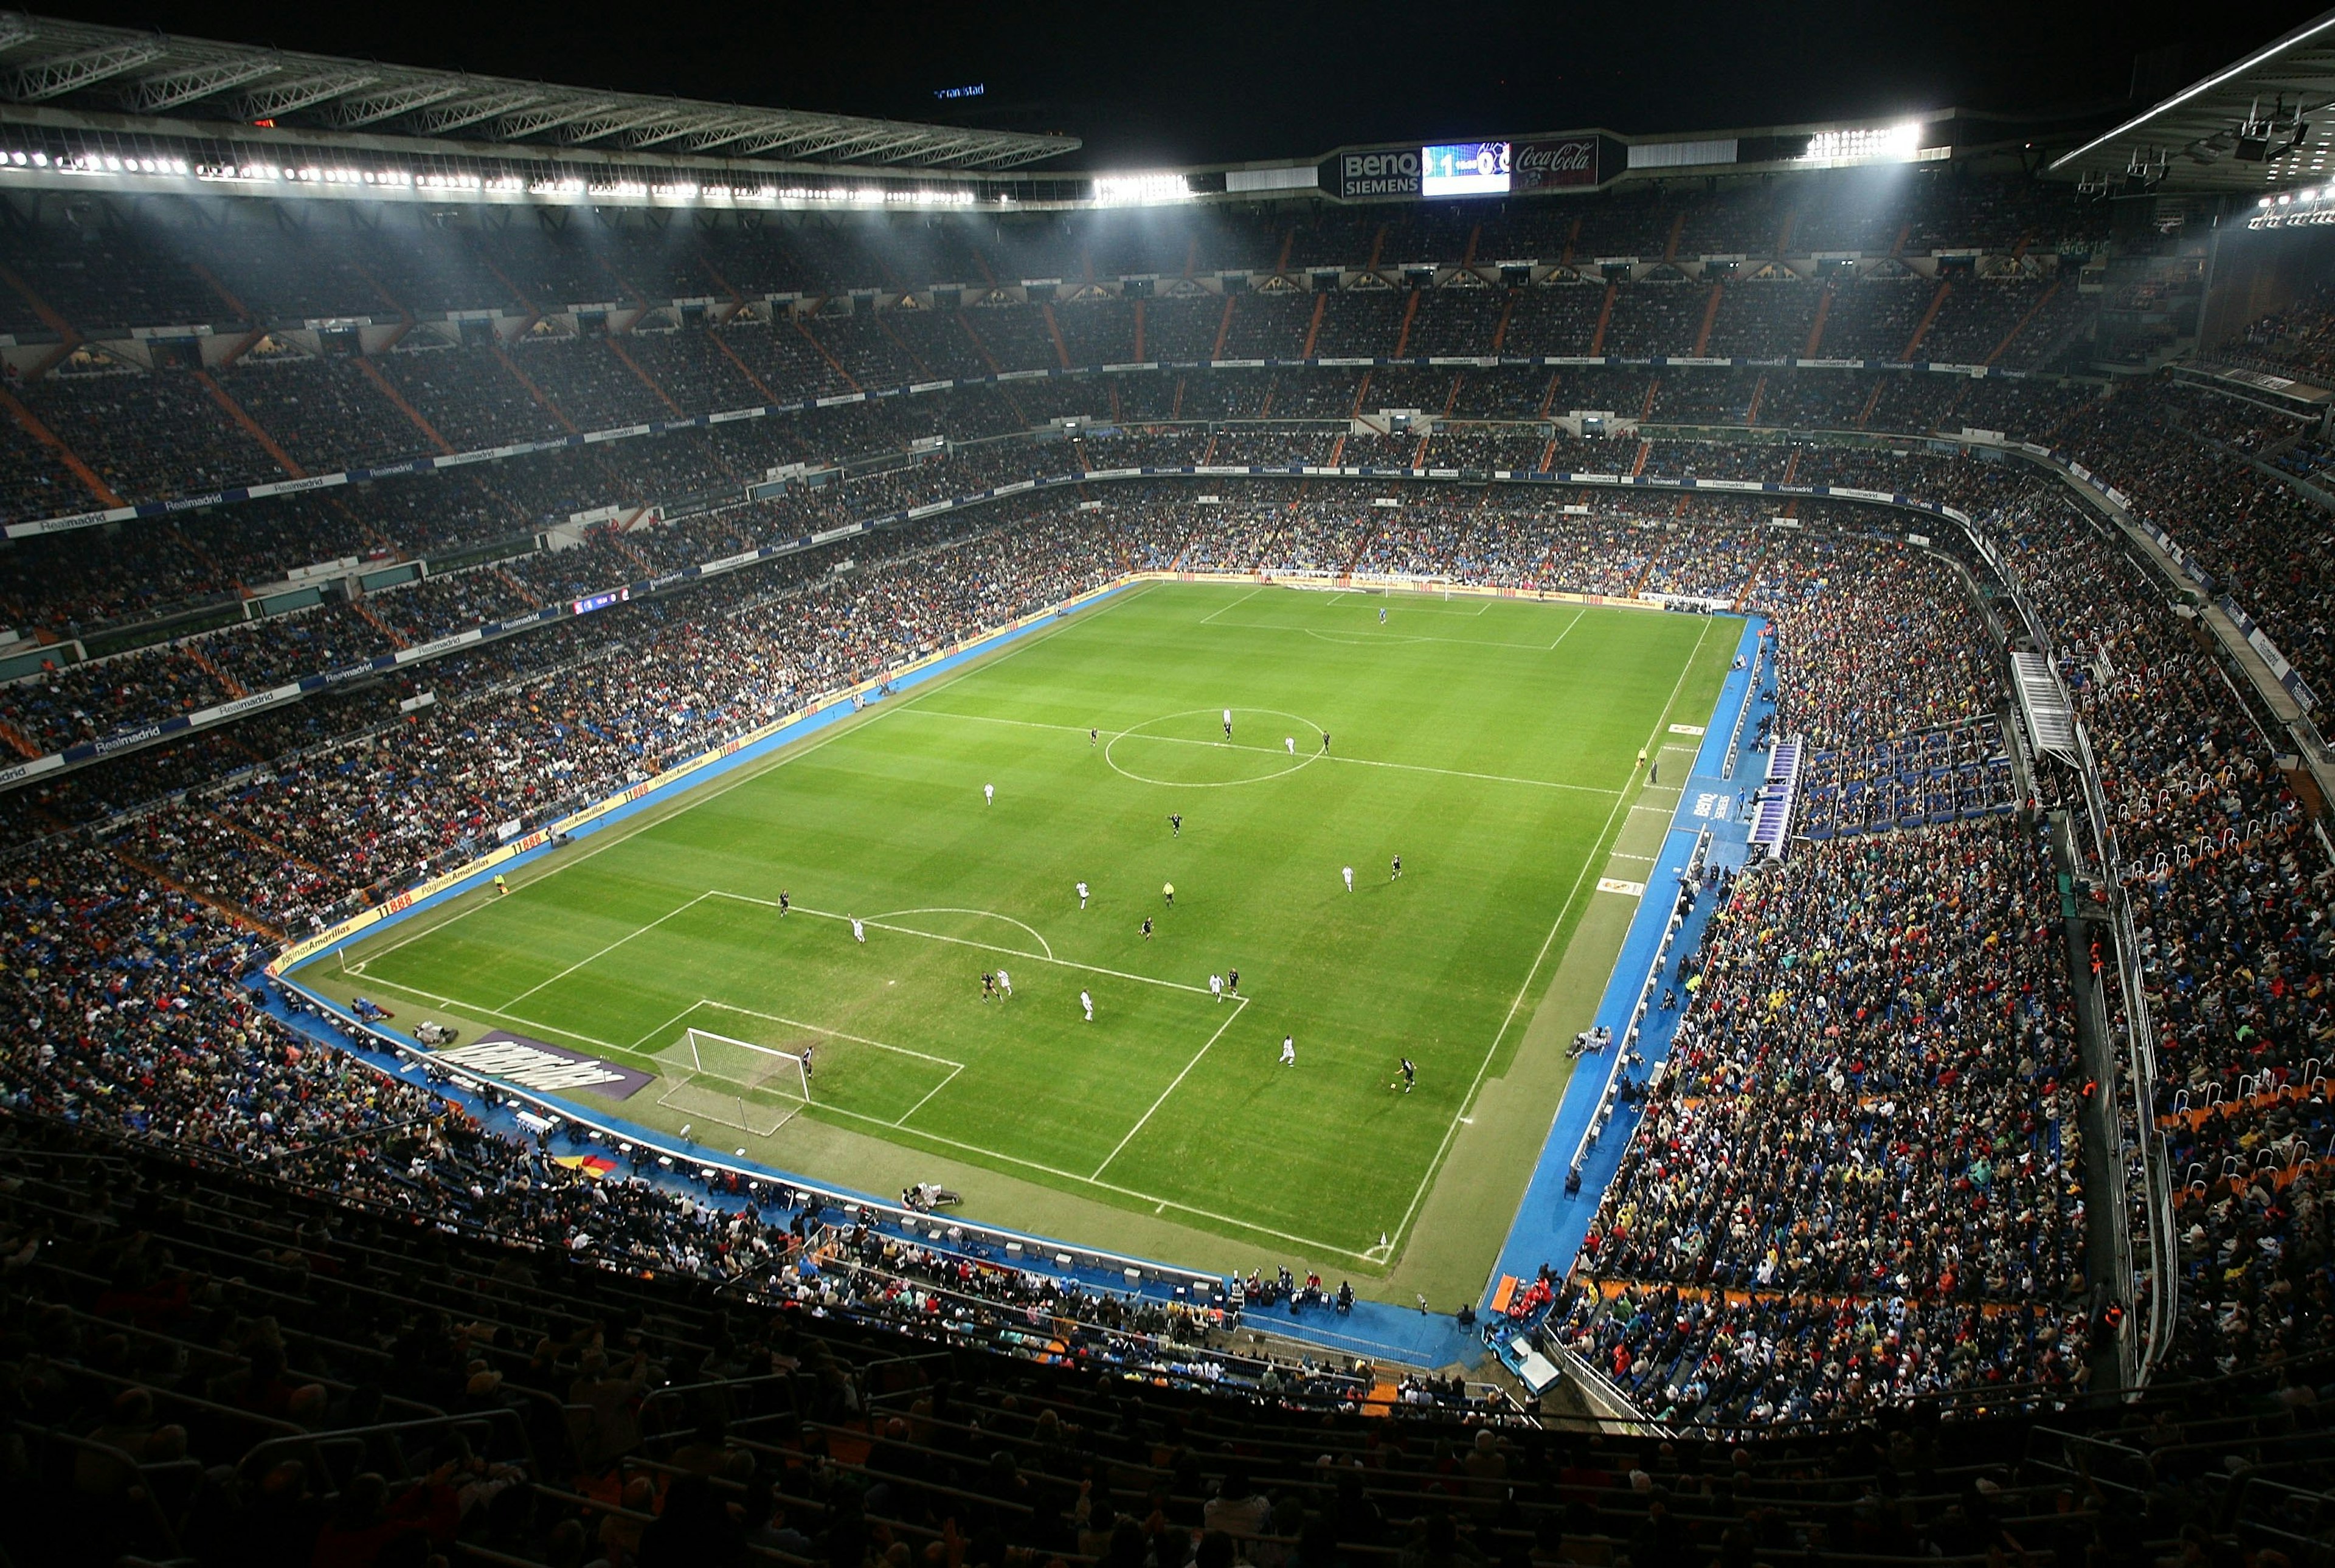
pixel 2248 127
pixel 43 60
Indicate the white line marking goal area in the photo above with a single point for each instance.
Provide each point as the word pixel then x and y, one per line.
pixel 738 1066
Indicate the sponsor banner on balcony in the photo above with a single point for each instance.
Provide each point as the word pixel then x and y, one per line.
pixel 1554 165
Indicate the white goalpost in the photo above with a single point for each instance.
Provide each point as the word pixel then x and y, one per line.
pixel 756 1089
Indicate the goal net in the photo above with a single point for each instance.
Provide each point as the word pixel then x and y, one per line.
pixel 756 1089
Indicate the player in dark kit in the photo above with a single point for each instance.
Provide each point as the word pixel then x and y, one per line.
pixel 1232 981
pixel 1175 825
pixel 1398 870
pixel 785 903
pixel 1409 1079
pixel 988 986
pixel 1147 928
pixel 1326 743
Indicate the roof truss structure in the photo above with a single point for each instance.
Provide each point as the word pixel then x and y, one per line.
pixel 2259 124
pixel 46 60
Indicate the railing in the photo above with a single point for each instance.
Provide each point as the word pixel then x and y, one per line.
pixel 2140 1064
pixel 2296 1522
pixel 1743 713
pixel 1628 1038
pixel 1600 1390
pixel 367 1443
pixel 2139 1033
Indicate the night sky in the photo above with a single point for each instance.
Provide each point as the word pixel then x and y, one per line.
pixel 1144 85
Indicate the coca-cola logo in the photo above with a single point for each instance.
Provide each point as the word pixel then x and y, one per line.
pixel 1543 163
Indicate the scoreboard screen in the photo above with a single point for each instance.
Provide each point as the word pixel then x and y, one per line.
pixel 1464 169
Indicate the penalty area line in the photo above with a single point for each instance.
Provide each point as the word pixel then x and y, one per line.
pixel 1153 1198
pixel 639 931
pixel 967 942
pixel 901 1124
pixel 1172 1084
pixel 1236 605
pixel 830 1034
pixel 479 1010
pixel 913 1110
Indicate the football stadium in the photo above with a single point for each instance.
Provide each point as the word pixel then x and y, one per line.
pixel 736 833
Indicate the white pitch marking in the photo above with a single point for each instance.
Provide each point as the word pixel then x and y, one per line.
pixel 1237 746
pixel 1436 1164
pixel 966 942
pixel 668 1023
pixel 697 795
pixel 985 914
pixel 1163 1204
pixel 611 947
pixel 481 1010
pixel 913 1110
pixel 1236 605
pixel 1367 639
pixel 1108 1186
pixel 830 1034
pixel 1178 1079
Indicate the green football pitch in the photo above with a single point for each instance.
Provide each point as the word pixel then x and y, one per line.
pixel 1492 744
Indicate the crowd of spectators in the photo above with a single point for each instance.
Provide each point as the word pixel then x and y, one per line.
pixel 1922 1231
pixel 288 850
pixel 220 1367
pixel 285 405
pixel 2296 341
pixel 2229 882
pixel 1874 638
pixel 1868 1124
pixel 2260 541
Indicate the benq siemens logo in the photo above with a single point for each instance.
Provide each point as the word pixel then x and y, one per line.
pixel 1394 173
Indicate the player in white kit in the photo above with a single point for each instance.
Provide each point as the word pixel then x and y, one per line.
pixel 1088 1003
pixel 1083 895
pixel 1289 1050
pixel 1350 878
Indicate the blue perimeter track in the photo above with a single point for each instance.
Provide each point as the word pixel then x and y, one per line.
pixel 1550 1222
pixel 1545 1220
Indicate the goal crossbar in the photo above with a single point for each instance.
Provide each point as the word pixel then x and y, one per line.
pixel 757 1067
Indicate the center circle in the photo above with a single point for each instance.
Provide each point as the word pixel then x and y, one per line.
pixel 1188 750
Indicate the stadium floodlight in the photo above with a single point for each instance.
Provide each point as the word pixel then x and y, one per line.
pixel 1866 144
pixel 1140 189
